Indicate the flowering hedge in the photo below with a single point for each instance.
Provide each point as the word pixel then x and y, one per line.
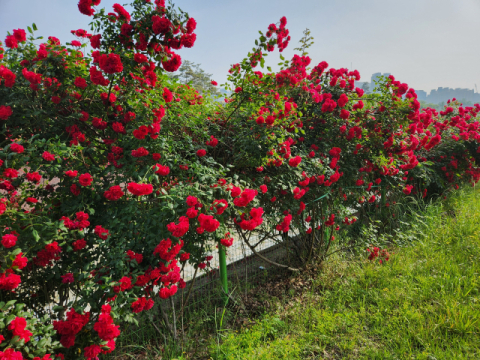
pixel 114 176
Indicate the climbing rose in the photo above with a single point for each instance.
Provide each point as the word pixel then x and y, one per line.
pixel 173 64
pixel 167 95
pixel 192 201
pixel 114 193
pixel 67 278
pixel 140 58
pixel 227 241
pixel 212 142
pixel 188 40
pixel 9 240
pixel 85 179
pixel 10 173
pixel 245 198
pixel 139 189
pixel 191 25
pixel 192 213
pixel 97 77
pixel 294 162
pixel 92 351
pixel 101 232
pixel 80 83
pixel 208 223
pixel 5 112
pixel 48 156
pixel 284 226
pixel 20 261
pixel 111 63
pixel 17 326
pixel 162 170
pixel 122 13
pixel 95 41
pixel 17 148
pixel 201 153
pixel 85 7
pixel 11 42
pixel 20 35
pixel 160 25
pixel 79 244
pixel 180 229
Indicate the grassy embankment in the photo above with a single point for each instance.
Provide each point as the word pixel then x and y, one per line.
pixel 422 304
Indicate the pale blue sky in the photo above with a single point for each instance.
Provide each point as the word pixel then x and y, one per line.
pixel 425 43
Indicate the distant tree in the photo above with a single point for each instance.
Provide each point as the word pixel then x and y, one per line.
pixel 466 102
pixel 366 87
pixel 424 104
pixel 191 74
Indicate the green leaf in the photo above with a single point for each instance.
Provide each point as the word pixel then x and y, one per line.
pixel 29 29
pixel 16 252
pixel 34 27
pixel 35 235
pixel 42 343
pixel 10 318
pixel 10 303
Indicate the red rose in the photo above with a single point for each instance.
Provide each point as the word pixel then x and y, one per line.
pixel 160 25
pixel 97 77
pixel 208 222
pixel 9 240
pixel 95 41
pixel 75 190
pixel 139 189
pixel 110 63
pixel 80 83
pixel 101 232
pixel 114 193
pixel 5 112
pixel 85 179
pixel 10 173
pixel 140 58
pixel 294 162
pixel 48 156
pixel 79 244
pixel 20 261
pixel 92 351
pixel 67 278
pixel 173 64
pixel 167 95
pixel 163 170
pixel 191 25
pixel 20 35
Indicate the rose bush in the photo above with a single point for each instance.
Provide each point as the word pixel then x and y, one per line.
pixel 114 176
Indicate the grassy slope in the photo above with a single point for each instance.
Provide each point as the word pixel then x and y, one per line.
pixel 423 304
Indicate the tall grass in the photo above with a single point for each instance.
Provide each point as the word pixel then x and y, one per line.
pixel 424 303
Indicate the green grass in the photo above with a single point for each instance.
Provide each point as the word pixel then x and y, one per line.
pixel 422 304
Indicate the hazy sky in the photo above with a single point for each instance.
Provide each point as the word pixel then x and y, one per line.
pixel 425 43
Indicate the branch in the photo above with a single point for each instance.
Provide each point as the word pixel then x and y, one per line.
pixel 263 257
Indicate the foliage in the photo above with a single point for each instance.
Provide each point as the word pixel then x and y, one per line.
pixel 114 175
pixel 305 42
